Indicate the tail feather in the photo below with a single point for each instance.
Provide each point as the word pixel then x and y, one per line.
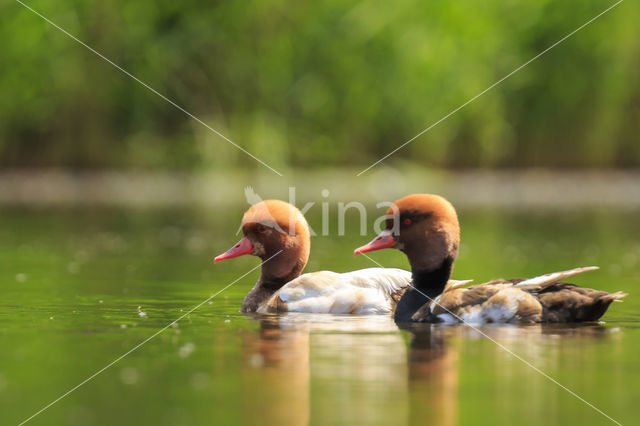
pixel 570 303
pixel 615 297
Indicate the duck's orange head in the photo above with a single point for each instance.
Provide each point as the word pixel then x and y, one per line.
pixel 423 226
pixel 273 229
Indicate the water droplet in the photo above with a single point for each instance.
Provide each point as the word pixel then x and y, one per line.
pixel 129 376
pixel 256 360
pixel 186 350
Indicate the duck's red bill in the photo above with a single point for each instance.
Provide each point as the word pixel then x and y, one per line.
pixel 383 240
pixel 240 249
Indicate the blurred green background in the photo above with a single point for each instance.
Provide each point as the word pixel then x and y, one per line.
pixel 113 202
pixel 319 84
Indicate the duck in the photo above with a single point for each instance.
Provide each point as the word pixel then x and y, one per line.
pixel 278 233
pixel 425 228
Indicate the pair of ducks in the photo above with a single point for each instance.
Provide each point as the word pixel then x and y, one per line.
pixel 424 227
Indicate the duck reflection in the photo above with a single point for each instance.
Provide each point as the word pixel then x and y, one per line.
pixel 433 375
pixel 276 377
pixel 355 367
pixel 358 365
pixel 433 364
pixel 349 369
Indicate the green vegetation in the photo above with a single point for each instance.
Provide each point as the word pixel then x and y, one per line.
pixel 319 83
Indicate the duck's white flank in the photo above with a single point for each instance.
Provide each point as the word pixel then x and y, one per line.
pixel 365 291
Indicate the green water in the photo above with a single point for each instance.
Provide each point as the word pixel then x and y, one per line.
pixel 72 282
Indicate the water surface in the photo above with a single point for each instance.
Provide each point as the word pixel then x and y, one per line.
pixel 74 282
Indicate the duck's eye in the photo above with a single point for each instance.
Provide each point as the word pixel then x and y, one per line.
pixel 407 221
pixel 262 228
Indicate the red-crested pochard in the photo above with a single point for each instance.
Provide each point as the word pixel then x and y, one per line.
pixel 278 233
pixel 425 228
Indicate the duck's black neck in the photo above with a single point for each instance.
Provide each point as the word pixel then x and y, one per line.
pixel 273 284
pixel 432 282
pixel 261 293
pixel 426 286
pixel 267 285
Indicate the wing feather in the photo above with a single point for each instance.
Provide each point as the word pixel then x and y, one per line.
pixel 541 282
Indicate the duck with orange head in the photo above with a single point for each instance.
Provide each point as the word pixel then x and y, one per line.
pixel 425 228
pixel 277 233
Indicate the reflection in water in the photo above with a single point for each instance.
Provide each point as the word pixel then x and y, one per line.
pixel 349 369
pixel 436 369
pixel 276 377
pixel 433 376
pixel 565 353
pixel 357 364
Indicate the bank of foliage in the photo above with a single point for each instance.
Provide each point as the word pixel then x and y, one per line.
pixel 336 83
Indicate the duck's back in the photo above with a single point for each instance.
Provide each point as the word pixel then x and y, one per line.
pixel 365 291
pixel 539 299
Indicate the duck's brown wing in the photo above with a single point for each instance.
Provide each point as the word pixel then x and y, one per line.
pixel 539 299
pixel 498 301
pixel 488 303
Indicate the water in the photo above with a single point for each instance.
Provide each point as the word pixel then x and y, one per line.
pixel 72 282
